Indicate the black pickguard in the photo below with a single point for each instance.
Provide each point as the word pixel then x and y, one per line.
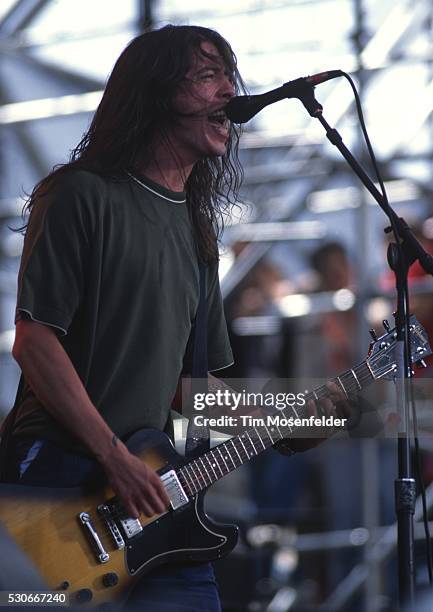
pixel 186 534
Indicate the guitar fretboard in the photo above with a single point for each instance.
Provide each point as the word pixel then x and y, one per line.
pixel 200 473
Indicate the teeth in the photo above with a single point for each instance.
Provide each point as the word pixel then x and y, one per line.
pixel 219 116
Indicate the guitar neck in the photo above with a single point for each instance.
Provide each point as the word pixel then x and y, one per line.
pixel 198 474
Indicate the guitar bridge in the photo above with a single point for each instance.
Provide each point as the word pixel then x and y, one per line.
pixel 114 530
pixel 101 553
pixel 174 489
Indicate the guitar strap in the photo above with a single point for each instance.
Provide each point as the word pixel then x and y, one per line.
pixel 198 437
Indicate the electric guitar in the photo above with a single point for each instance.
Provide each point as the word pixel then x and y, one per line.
pixel 83 543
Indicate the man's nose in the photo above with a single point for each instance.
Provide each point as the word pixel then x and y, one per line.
pixel 227 88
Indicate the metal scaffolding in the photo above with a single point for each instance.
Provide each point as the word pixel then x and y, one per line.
pixel 283 172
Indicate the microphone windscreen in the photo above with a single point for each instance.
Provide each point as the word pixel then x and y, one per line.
pixel 239 109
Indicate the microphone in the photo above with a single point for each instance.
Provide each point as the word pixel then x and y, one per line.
pixel 243 108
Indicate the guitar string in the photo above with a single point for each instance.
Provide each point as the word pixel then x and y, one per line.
pixel 362 375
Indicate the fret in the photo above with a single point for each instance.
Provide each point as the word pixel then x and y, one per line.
pixel 371 371
pixel 345 384
pixel 222 457
pixel 210 479
pixel 243 446
pixel 251 450
pixel 184 482
pixel 228 452
pixel 255 429
pixel 342 386
pixel 251 442
pixel 216 462
pixel 269 435
pixel 191 464
pixel 278 430
pixel 185 469
pixel 360 373
pixel 287 426
pixel 210 464
pixel 296 414
pixel 234 446
pixel 349 382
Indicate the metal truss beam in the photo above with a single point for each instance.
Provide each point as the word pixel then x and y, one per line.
pixel 31 149
pixel 60 73
pixel 20 15
pixel 145 15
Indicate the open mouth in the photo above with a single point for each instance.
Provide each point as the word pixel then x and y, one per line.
pixel 219 118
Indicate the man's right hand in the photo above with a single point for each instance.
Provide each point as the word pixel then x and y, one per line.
pixel 49 371
pixel 138 486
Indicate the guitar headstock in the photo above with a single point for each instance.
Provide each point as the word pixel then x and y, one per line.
pixel 382 357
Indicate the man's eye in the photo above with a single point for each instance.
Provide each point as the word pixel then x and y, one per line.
pixel 209 74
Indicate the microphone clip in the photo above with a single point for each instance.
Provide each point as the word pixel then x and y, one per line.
pixel 313 107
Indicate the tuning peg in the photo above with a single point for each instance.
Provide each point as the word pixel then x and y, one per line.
pixel 421 363
pixel 373 334
pixel 386 325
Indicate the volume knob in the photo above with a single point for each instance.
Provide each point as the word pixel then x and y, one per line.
pixel 110 579
pixel 83 596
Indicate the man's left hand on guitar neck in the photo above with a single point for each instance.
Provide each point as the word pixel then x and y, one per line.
pixel 336 404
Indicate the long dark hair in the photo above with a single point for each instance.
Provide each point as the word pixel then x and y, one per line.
pixel 136 104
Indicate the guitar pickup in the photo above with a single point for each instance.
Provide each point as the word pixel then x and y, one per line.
pixel 174 489
pixel 131 527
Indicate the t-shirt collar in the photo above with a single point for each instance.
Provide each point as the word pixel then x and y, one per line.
pixel 176 197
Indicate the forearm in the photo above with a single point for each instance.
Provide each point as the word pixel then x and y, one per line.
pixel 54 381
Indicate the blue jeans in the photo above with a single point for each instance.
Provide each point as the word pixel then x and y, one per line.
pixel 170 588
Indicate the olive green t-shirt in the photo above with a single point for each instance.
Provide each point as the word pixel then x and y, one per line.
pixel 111 265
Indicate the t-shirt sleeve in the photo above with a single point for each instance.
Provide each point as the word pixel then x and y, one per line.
pixel 219 351
pixel 55 255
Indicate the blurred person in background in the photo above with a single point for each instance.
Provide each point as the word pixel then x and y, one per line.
pixel 337 329
pixel 280 489
pixel 331 343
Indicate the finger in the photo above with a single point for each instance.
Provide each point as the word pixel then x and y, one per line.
pixel 344 409
pixel 311 408
pixel 159 495
pixel 131 509
pixel 336 393
pixel 146 506
pixel 161 491
pixel 327 407
pixel 155 500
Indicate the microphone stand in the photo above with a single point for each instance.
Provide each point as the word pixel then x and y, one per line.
pixel 400 257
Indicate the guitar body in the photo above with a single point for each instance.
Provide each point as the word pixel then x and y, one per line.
pixel 47 524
